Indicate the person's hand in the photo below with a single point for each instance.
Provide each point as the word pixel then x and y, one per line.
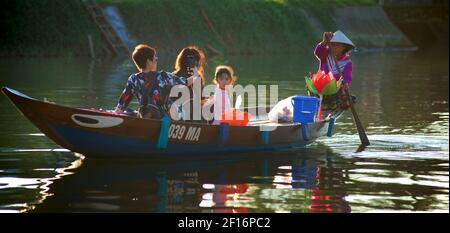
pixel 190 71
pixel 194 77
pixel 204 101
pixel 118 111
pixel 327 37
pixel 346 87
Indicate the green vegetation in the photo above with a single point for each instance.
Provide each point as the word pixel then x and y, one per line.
pixel 232 26
pixel 49 27
pixel 46 28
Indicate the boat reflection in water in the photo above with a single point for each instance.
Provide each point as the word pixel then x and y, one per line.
pixel 290 182
pixel 306 185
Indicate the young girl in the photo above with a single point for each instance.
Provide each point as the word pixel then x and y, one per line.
pixel 333 53
pixel 224 78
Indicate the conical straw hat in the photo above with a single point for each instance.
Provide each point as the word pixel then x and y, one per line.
pixel 339 37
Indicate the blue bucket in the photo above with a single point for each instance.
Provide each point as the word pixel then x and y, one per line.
pixel 305 108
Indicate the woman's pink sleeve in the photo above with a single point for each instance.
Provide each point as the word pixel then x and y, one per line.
pixel 348 73
pixel 321 51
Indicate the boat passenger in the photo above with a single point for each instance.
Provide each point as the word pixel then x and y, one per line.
pixel 224 79
pixel 341 46
pixel 188 59
pixel 150 87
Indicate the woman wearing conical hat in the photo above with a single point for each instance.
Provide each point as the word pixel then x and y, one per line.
pixel 340 46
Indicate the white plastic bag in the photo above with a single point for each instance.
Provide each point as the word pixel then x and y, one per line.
pixel 283 111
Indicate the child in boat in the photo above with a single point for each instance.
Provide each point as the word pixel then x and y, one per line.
pixel 339 46
pixel 224 78
pixel 150 87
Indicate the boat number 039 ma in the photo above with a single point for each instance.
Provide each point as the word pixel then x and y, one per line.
pixel 179 132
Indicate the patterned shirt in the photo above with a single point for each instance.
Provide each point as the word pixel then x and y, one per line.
pixel 151 88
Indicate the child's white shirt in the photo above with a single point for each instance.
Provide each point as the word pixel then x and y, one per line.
pixel 222 103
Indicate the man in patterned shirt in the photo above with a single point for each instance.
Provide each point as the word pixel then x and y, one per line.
pixel 150 87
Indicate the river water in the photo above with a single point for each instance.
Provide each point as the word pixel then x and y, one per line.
pixel 402 101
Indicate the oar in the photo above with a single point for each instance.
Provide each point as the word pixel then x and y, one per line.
pixel 362 133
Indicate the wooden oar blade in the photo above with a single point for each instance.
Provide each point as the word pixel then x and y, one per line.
pixel 361 148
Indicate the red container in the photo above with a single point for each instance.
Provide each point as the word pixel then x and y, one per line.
pixel 238 118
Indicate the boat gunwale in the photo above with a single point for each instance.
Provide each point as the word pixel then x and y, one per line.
pixel 16 94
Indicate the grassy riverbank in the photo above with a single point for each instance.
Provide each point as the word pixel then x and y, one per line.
pixel 48 27
pixel 232 26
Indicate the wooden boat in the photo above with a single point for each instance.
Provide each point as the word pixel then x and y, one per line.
pixel 105 134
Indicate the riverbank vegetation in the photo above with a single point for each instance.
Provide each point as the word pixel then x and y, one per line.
pixel 46 27
pixel 232 26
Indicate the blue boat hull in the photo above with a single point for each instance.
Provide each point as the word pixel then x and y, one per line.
pixel 104 134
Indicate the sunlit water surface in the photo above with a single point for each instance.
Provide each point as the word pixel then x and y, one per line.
pixel 402 101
